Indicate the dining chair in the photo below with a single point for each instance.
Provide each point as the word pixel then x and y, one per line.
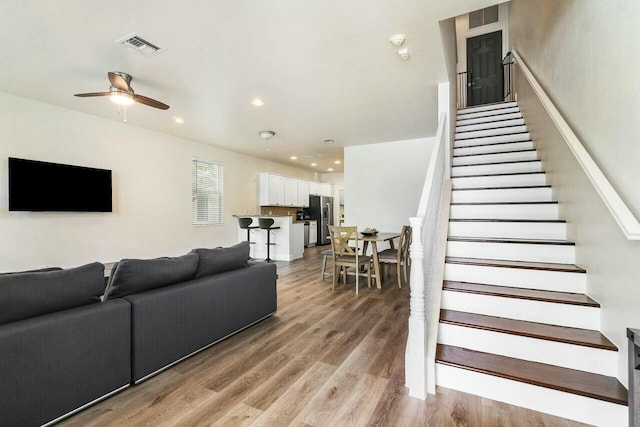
pixel 345 256
pixel 399 255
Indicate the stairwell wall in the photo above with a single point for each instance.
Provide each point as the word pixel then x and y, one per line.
pixel 610 259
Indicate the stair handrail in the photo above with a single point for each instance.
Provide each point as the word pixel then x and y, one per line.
pixel 423 245
pixel 627 222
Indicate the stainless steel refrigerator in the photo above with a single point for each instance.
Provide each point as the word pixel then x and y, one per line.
pixel 321 209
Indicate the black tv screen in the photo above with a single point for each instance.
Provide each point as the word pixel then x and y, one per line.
pixel 43 186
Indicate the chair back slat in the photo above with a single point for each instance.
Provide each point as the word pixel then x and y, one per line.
pixel 340 237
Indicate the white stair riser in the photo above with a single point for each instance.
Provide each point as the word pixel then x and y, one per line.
pixel 516 230
pixel 561 281
pixel 570 356
pixel 535 211
pixel 574 316
pixel 561 404
pixel 494 169
pixel 490 132
pixel 507 116
pixel 564 254
pixel 489 125
pixel 490 107
pixel 461 115
pixel 512 146
pixel 538 194
pixel 517 137
pixel 499 181
pixel 493 158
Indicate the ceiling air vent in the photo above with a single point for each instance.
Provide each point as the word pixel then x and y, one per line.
pixel 138 43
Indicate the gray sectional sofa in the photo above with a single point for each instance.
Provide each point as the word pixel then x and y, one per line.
pixel 66 341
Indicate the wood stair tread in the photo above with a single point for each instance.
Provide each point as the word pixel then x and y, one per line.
pixel 524 328
pixel 492 143
pixel 489 136
pixel 526 150
pixel 551 202
pixel 495 163
pixel 520 293
pixel 516 187
pixel 493 128
pixel 570 268
pixel 553 221
pixel 498 174
pixel 510 240
pixel 581 383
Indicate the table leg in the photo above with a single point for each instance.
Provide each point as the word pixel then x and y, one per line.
pixel 376 264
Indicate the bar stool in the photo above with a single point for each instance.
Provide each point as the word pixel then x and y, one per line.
pixel 266 224
pixel 245 223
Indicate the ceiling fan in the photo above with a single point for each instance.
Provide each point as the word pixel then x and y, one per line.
pixel 122 93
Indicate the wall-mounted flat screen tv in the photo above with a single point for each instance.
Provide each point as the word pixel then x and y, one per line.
pixel 53 187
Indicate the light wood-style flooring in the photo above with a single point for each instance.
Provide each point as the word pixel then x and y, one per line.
pixel 326 358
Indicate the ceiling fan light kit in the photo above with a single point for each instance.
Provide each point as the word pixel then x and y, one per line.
pixel 122 93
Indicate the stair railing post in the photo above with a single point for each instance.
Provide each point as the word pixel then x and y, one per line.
pixel 415 356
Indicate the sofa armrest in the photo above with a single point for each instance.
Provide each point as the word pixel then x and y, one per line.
pixel 53 364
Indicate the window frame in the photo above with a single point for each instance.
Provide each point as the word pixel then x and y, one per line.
pixel 218 169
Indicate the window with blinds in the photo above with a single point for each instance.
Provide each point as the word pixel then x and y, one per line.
pixel 207 201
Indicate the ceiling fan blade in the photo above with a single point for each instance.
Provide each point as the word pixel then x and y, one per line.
pixel 83 95
pixel 150 102
pixel 119 82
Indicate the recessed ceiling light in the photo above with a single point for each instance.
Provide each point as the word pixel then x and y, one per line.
pixel 267 149
pixel 329 141
pixel 294 157
pixel 337 162
pixel 178 120
pixel 314 164
pixel 257 102
pixel 330 169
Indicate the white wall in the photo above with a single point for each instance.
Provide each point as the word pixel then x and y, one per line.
pixel 151 189
pixel 600 99
pixel 463 33
pixel 337 179
pixel 383 182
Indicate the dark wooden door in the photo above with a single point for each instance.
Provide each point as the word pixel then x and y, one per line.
pixel 484 60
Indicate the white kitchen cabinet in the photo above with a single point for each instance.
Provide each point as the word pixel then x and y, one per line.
pixel 315 188
pixel 313 233
pixel 326 190
pixel 303 193
pixel 290 192
pixel 271 190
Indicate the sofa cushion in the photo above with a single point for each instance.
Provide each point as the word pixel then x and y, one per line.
pixel 30 294
pixel 219 260
pixel 131 276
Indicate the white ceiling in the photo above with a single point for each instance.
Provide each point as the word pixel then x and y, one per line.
pixel 324 68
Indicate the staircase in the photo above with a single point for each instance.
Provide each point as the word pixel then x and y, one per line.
pixel 515 324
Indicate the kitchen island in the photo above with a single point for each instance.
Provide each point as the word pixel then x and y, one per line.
pixel 288 239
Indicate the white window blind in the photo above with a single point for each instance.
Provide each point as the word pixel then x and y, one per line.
pixel 207 179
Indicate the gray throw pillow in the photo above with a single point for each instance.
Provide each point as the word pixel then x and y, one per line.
pixel 132 276
pixel 30 294
pixel 218 260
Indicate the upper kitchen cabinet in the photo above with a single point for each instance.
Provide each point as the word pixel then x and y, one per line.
pixel 303 193
pixel 272 189
pixel 291 192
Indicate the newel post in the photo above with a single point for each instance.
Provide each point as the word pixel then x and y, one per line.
pixel 415 356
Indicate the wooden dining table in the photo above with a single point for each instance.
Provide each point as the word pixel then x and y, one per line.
pixel 380 237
